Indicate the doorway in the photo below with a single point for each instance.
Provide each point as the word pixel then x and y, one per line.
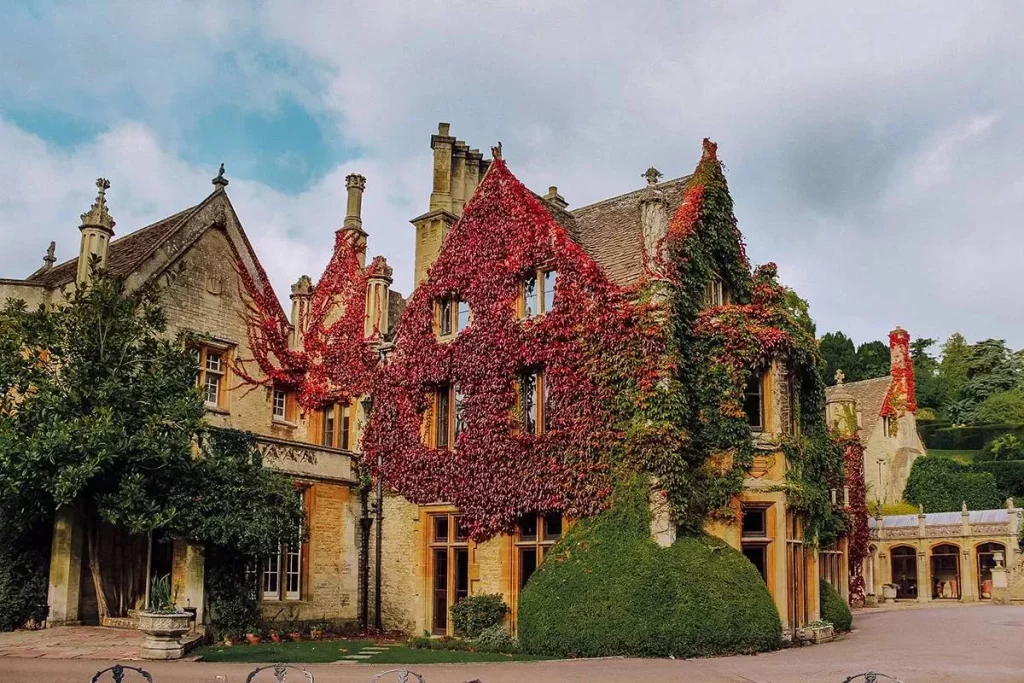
pixel 449 572
pixel 986 561
pixel 945 578
pixel 904 572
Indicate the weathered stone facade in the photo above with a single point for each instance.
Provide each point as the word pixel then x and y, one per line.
pixel 207 243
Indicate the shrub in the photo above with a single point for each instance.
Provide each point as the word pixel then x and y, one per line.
pixel 445 643
pixel 470 616
pixel 941 485
pixel 1009 477
pixel 1005 447
pixel 24 561
pixel 833 608
pixel 607 589
pixel 966 438
pixel 234 601
pixel 496 639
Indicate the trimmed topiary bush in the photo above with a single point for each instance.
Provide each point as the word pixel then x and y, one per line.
pixel 942 485
pixel 472 615
pixel 608 589
pixel 833 608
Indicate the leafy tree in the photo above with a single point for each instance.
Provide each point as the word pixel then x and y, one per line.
pixel 942 485
pixel 99 411
pixel 953 367
pixel 931 388
pixel 990 367
pixel 1006 407
pixel 872 360
pixel 800 310
pixel 839 353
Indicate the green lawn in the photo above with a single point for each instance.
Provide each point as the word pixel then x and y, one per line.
pixel 310 652
pixel 966 457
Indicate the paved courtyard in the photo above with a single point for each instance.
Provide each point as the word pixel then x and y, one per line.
pixel 918 645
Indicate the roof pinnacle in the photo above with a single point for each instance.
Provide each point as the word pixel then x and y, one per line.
pixel 98 216
pixel 220 182
pixel 653 175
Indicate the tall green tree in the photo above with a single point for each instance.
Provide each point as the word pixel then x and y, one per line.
pixel 99 411
pixel 840 354
pixel 931 388
pixel 991 367
pixel 800 310
pixel 872 360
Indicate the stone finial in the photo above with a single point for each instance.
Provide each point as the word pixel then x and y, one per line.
pixel 653 175
pixel 220 182
pixel 920 508
pixel 496 151
pixel 840 376
pixel 380 268
pixel 963 506
pixel 98 216
pixel 302 287
pixel 1009 503
pixel 50 258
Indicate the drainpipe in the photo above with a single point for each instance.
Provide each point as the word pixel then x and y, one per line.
pixel 365 523
pixel 377 618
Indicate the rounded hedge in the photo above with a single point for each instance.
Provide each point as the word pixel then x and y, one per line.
pixel 833 608
pixel 608 589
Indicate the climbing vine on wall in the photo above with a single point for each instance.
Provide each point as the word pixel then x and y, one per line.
pixel 648 379
pixel 858 533
pixel 334 361
pixel 900 399
pixel 590 346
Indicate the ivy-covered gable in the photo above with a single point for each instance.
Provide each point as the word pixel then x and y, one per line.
pixel 333 361
pixel 588 346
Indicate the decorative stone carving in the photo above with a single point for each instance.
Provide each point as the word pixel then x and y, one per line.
pixel 163 634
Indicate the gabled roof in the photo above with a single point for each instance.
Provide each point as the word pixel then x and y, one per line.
pixel 125 254
pixel 869 395
pixel 610 232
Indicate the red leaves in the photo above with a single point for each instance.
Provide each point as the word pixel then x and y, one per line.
pixel 900 399
pixel 586 345
pixel 333 363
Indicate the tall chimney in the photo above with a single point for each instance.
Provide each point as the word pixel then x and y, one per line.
pixel 97 229
pixel 442 144
pixel 554 198
pixel 355 184
pixel 653 219
pixel 901 397
pixel 302 292
pixel 378 288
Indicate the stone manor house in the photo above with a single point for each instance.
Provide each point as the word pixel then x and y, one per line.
pixel 428 561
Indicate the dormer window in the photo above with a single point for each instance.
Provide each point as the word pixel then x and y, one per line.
pixel 451 316
pixel 715 292
pixel 537 293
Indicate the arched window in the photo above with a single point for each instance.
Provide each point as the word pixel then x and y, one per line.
pixel 904 572
pixel 945 576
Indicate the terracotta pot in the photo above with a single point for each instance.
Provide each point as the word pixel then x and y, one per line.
pixel 275 637
pixel 296 636
pixel 316 635
pixel 252 638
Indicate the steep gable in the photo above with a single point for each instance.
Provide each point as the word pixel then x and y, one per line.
pixel 495 473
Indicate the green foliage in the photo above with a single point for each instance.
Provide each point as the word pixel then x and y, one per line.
pixel 931 388
pixel 942 485
pixel 839 353
pixel 800 310
pixel 233 597
pixel 946 438
pixel 872 360
pixel 815 468
pixel 160 600
pixel 990 368
pixel 1009 476
pixel 443 643
pixel 833 608
pixel 496 639
pixel 1005 447
pixel 472 615
pixel 607 589
pixel 892 508
pixel 24 564
pixel 1002 407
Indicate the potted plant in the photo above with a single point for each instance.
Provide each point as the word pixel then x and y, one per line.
pixel 275 637
pixel 163 623
pixel 253 637
pixel 318 630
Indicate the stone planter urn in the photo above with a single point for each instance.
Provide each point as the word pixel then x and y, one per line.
pixel 163 634
pixel 889 591
pixel 820 633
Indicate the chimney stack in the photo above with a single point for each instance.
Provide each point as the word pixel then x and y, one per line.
pixel 653 218
pixel 378 289
pixel 302 292
pixel 97 229
pixel 355 184
pixel 553 197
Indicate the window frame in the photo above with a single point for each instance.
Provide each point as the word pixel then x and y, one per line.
pixel 540 399
pixel 762 378
pixel 715 292
pixel 343 430
pixel 203 352
pixel 282 571
pixel 448 322
pixel 454 402
pixel 451 545
pixel 539 276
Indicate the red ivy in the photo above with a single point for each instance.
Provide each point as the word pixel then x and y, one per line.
pixel 901 397
pixel 589 341
pixel 334 362
pixel 858 533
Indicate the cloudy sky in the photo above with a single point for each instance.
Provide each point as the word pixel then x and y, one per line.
pixel 874 150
